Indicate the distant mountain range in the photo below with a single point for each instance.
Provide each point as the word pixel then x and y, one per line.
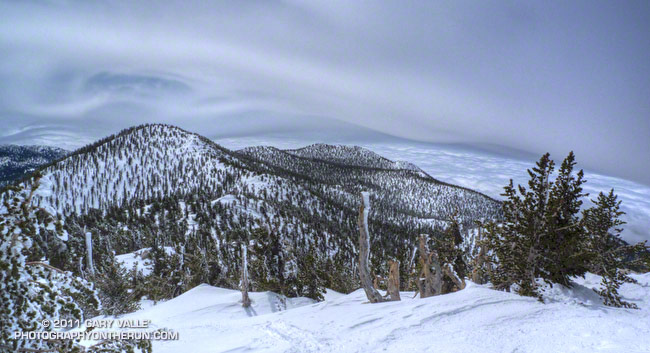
pixel 159 185
pixel 18 161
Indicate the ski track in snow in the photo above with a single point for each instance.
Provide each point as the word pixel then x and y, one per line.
pixel 477 319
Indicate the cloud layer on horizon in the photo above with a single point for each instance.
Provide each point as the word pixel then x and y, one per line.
pixel 551 76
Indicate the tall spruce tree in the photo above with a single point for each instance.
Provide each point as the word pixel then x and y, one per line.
pixel 564 251
pixel 516 241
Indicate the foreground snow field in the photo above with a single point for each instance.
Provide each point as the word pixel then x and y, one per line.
pixel 477 319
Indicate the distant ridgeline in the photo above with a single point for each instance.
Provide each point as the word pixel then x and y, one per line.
pixel 18 161
pixel 193 203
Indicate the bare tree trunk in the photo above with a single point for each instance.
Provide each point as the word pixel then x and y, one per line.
pixel 411 267
pixel 89 253
pixel 459 282
pixel 426 290
pixel 245 300
pixel 432 281
pixel 393 280
pixel 479 260
pixel 364 251
pixel 81 267
pixel 437 276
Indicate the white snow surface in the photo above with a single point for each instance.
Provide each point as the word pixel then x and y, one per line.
pixel 476 319
pixel 139 260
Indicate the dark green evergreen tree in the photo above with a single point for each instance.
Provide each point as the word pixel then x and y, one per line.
pixel 117 290
pixel 609 254
pixel 563 241
pixel 516 241
pixel 33 292
pixel 310 277
pixel 543 235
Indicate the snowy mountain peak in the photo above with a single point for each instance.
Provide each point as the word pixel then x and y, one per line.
pixel 137 163
pixel 350 155
pixel 157 161
pixel 156 185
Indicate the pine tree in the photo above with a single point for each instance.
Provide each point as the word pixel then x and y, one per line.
pixel 564 253
pixel 540 235
pixel 118 294
pixel 609 254
pixel 543 235
pixel 310 276
pixel 32 292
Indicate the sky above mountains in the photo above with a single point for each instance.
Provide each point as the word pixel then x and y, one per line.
pixel 531 76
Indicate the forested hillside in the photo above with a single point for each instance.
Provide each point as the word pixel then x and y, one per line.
pixel 157 186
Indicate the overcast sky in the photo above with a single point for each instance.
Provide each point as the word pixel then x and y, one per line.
pixel 535 76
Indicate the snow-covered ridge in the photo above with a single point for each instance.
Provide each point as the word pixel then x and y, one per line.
pixel 160 160
pixel 32 148
pixel 351 155
pixel 131 186
pixel 146 161
pixel 406 191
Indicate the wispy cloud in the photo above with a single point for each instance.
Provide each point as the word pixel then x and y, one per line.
pixel 551 76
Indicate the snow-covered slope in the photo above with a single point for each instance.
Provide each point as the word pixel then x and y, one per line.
pixel 350 155
pixel 487 172
pixel 159 185
pixel 159 160
pixel 136 164
pixel 477 319
pixel 406 191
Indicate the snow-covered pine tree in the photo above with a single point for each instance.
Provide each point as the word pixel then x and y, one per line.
pixel 118 294
pixel 609 254
pixel 31 292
